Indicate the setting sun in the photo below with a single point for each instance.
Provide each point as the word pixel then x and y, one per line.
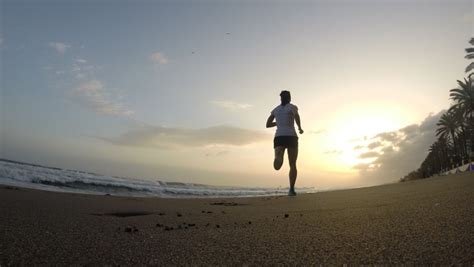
pixel 354 125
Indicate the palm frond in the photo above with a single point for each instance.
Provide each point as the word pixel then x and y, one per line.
pixel 470 67
pixel 457 94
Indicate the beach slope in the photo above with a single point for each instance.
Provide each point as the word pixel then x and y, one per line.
pixel 427 221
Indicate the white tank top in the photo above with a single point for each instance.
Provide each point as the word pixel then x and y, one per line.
pixel 285 119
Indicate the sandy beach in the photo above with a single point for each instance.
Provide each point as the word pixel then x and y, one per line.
pixel 427 221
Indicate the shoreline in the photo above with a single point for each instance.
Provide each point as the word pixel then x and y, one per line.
pixel 77 191
pixel 425 221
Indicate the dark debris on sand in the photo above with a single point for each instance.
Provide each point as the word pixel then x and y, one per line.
pixel 131 229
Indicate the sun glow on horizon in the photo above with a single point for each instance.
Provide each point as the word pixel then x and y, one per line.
pixel 356 125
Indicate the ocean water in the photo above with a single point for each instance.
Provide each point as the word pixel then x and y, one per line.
pixel 55 179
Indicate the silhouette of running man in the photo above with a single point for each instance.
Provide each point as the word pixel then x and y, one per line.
pixel 285 116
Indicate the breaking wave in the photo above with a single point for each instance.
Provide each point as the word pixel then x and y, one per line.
pixel 55 179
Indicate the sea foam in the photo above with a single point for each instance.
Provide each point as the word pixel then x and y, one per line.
pixel 55 179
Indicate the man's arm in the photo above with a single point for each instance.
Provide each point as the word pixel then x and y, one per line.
pixel 298 122
pixel 270 122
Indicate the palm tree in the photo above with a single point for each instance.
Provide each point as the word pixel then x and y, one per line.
pixel 457 124
pixel 470 55
pixel 464 96
pixel 463 132
pixel 448 127
pixel 437 159
pixel 464 101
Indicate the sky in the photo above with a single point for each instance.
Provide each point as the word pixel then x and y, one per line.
pixel 181 90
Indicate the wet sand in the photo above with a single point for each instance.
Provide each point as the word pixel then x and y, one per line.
pixel 427 221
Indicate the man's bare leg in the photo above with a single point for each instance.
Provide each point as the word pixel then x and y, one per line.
pixel 292 157
pixel 279 153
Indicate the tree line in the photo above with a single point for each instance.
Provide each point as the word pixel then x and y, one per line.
pixel 455 129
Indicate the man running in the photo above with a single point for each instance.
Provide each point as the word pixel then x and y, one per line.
pixel 285 116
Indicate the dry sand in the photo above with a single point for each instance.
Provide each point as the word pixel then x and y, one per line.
pixel 428 221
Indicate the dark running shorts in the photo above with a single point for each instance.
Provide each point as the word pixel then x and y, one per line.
pixel 286 141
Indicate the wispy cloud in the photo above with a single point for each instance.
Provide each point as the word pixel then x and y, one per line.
pixel 369 154
pixel 172 138
pixel 217 154
pixel 93 95
pixel 230 105
pixel 81 70
pixel 374 145
pixel 59 47
pixel 158 57
pixel 358 147
pixel 333 152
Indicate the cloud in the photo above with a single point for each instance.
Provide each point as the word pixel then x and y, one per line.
pixel 388 149
pixel 374 145
pixel 358 139
pixel 171 138
pixel 230 105
pixel 361 166
pixel 93 95
pixel 334 152
pixel 218 154
pixel 388 136
pixel 59 47
pixel 410 129
pixel 370 154
pixel 401 151
pixel 221 153
pixel 78 68
pixel 358 147
pixel 159 58
pixel 81 70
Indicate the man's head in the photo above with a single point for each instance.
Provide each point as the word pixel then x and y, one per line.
pixel 285 97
